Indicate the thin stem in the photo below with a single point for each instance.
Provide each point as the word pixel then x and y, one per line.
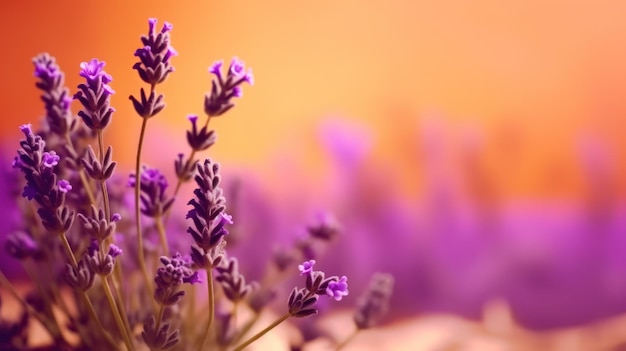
pixel 142 263
pixel 103 186
pixel 68 251
pixel 116 314
pixel 81 172
pixel 211 296
pixel 84 297
pixel 347 339
pixel 179 181
pixel 117 276
pixel 94 317
pixel 159 317
pixel 162 236
pixel 263 332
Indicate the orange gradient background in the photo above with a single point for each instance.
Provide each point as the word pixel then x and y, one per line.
pixel 532 73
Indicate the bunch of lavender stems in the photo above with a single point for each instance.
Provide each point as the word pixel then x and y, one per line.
pixel 90 274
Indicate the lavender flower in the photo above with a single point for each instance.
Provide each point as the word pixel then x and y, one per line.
pixel 207 214
pixel 95 95
pixel 375 302
pixel 199 139
pixel 233 282
pixel 41 183
pixel 102 264
pixel 302 301
pixel 99 170
pixel 153 67
pixel 223 89
pixel 97 225
pixel 54 94
pixel 154 57
pixel 82 277
pixel 154 203
pixel 338 289
pixel 174 272
pixel 306 267
pixel 327 227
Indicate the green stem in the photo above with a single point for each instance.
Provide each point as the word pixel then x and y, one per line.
pixel 103 186
pixel 84 297
pixel 162 236
pixel 142 259
pixel 116 314
pixel 263 332
pixel 211 297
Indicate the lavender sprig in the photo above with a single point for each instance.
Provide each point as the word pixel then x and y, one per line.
pixel 301 302
pixel 54 95
pixel 154 67
pixel 174 272
pixel 216 103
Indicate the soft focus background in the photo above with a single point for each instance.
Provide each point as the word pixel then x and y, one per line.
pixel 474 149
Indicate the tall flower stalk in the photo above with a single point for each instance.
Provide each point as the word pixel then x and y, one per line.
pixel 153 67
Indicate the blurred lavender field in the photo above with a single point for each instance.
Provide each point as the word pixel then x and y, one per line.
pixel 453 245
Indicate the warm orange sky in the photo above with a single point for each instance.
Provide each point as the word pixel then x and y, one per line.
pixel 550 69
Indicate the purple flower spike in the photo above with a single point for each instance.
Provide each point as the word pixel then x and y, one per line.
pixel 154 56
pixel 95 95
pixel 64 186
pixel 56 97
pixel 338 289
pixel 223 89
pixel 153 185
pixel 306 267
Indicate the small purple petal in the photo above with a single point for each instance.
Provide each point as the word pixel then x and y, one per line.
pixel 306 267
pixel 236 67
pixel 116 217
pixel 29 192
pixel 115 251
pixel 50 159
pixel 167 27
pixel 26 129
pixel 338 289
pixel 64 186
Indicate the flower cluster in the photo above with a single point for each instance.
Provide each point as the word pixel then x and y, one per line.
pixel 42 185
pixel 223 89
pixel 69 172
pixel 95 95
pixel 208 217
pixel 302 300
